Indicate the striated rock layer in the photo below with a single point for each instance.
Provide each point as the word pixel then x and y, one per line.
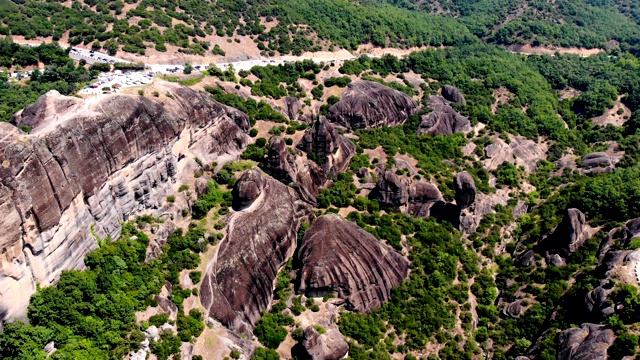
pixel 338 256
pixel 589 342
pixel 260 238
pixel 89 164
pixel 443 119
pixel 367 104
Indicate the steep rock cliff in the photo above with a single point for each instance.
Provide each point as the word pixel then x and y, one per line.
pixel 89 164
pixel 260 238
pixel 338 256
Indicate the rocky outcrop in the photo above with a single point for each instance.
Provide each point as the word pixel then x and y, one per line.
pixel 422 197
pixel 597 303
pixel 260 238
pixel 443 119
pixel 328 346
pixel 89 164
pixel 465 189
pixel 390 190
pixel 589 342
pixel 567 238
pixel 291 169
pixel 337 256
pixel 453 94
pixel 519 151
pixel 292 106
pixel 514 309
pixel 329 149
pixel 597 162
pixel 367 104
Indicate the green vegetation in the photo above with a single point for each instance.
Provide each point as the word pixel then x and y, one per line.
pixel 60 74
pixel 90 314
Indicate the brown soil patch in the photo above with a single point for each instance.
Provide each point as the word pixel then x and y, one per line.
pixel 377 153
pixel 615 116
pixel 527 49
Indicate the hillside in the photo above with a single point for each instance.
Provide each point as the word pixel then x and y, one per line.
pixel 327 198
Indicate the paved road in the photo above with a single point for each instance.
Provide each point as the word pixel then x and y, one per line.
pixel 139 78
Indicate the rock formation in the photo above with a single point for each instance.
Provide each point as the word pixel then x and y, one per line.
pixel 328 346
pixel 89 164
pixel 519 151
pixel 331 150
pixel 589 342
pixel 453 94
pixel 367 104
pixel 260 238
pixel 597 303
pixel 339 257
pixel 514 309
pixel 598 162
pixel 465 189
pixel 443 119
pixel 292 106
pixel 390 190
pixel 422 196
pixel 568 236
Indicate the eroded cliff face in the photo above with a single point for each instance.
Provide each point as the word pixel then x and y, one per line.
pixel 86 166
pixel 338 256
pixel 260 238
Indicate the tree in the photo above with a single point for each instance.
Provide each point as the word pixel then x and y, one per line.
pixel 188 68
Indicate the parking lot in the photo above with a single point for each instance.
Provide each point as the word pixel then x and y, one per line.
pixel 118 80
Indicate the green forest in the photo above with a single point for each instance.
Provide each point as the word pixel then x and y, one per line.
pixel 451 305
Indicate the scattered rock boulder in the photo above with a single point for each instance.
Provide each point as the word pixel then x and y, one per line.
pixel 597 303
pixel 514 309
pixel 337 256
pixel 443 119
pixel 390 190
pixel 367 104
pixel 589 342
pixel 328 346
pixel 465 189
pixel 568 236
pixel 597 162
pixel 292 106
pixel 422 196
pixel 260 238
pixel 527 259
pixel 453 94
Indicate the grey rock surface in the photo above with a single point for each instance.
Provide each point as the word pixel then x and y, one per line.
pixel 367 104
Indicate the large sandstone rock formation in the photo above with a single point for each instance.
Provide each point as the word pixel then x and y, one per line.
pixel 422 197
pixel 89 164
pixel 260 238
pixel 453 94
pixel 339 257
pixel 328 346
pixel 519 151
pixel 331 150
pixel 589 342
pixel 390 190
pixel 568 237
pixel 367 104
pixel 305 176
pixel 443 119
pixel 465 189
